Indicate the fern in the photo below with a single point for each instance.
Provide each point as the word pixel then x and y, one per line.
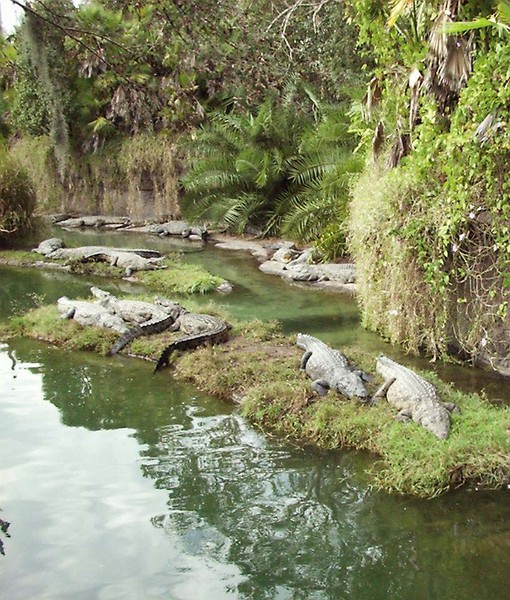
pixel 282 170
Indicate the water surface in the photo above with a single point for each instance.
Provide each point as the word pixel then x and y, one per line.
pixel 121 485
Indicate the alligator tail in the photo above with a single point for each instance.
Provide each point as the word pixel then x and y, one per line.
pixel 125 339
pixel 164 358
pixel 148 328
pixel 190 342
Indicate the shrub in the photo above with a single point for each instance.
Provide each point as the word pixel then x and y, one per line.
pixel 17 199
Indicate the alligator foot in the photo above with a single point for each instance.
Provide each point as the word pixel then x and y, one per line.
pixel 404 416
pixel 321 386
pixel 451 407
pixel 381 392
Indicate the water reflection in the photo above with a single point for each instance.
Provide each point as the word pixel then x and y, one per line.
pixel 232 513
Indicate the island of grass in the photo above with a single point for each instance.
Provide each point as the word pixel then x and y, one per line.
pixel 177 277
pixel 258 368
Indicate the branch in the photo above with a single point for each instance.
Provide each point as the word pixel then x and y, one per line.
pixel 286 15
pixel 66 31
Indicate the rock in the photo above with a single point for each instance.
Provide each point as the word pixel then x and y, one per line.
pixel 225 288
pixel 47 247
pixel 285 255
pixel 195 238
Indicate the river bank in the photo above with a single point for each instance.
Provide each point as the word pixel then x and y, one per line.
pixel 175 276
pixel 258 368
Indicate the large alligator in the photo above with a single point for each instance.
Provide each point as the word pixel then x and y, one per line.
pixel 330 369
pixel 416 398
pixel 90 313
pixel 55 248
pixel 201 330
pixel 129 261
pixel 151 327
pixel 148 318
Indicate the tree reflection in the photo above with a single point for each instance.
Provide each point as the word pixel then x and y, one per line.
pixel 297 523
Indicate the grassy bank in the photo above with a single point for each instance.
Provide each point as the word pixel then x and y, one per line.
pixel 258 368
pixel 177 278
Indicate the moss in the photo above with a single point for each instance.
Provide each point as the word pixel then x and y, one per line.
pixel 258 367
pixel 276 396
pixel 112 180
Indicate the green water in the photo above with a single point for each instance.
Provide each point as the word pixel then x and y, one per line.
pixel 120 485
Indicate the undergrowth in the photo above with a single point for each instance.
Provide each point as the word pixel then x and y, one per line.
pixel 431 239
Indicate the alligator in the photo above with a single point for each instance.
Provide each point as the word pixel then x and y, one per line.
pixel 135 311
pixel 55 248
pixel 151 327
pixel 416 398
pixel 90 313
pixel 129 261
pixel 330 369
pixel 201 330
pixel 148 318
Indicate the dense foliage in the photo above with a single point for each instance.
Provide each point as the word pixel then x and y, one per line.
pixel 17 199
pixel 431 237
pixel 105 84
pixel 283 170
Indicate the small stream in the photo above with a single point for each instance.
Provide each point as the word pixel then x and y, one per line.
pixel 121 485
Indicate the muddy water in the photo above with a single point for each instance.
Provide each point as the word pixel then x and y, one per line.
pixel 118 484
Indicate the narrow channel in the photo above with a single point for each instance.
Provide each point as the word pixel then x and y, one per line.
pixel 120 485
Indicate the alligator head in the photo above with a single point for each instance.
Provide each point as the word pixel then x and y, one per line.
pixel 351 385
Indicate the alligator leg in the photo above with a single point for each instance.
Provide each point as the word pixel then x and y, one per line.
pixel 304 360
pixel 70 313
pixel 363 376
pixel 381 391
pixel 321 386
pixel 404 416
pixel 451 407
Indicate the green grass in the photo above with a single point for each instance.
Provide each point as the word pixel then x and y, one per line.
pixel 180 278
pixel 274 395
pixel 23 258
pixel 177 278
pixel 258 367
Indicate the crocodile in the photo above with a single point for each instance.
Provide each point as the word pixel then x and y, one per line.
pixel 330 369
pixel 148 318
pixel 55 248
pixel 135 311
pixel 150 327
pixel 90 313
pixel 129 261
pixel 201 330
pixel 416 398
